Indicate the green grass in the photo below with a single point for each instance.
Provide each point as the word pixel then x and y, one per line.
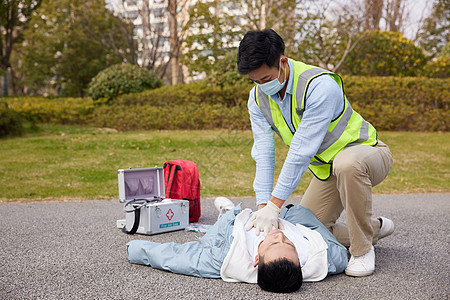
pixel 70 162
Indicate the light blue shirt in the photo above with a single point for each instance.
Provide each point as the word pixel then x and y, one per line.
pixel 324 103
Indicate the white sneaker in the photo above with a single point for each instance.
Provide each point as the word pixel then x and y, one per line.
pixel 387 227
pixel 223 205
pixel 363 265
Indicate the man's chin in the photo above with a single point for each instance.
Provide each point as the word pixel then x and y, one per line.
pixel 275 231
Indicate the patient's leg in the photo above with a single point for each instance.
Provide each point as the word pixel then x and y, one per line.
pixel 340 231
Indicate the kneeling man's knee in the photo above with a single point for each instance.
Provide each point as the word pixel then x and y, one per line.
pixel 346 165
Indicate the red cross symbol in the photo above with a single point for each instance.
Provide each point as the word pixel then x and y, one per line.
pixel 170 214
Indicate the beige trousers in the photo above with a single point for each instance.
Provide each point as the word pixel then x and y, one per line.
pixel 355 171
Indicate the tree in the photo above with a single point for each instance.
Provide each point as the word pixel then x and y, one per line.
pixel 387 15
pixel 225 72
pixel 176 36
pixel 373 13
pixel 327 33
pixel 216 27
pixel 159 44
pixel 15 16
pixel 395 15
pixel 68 43
pixel 435 32
pixel 439 67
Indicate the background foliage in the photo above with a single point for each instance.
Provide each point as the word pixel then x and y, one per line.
pixel 435 31
pixel 10 121
pixel 439 68
pixel 52 110
pixel 384 53
pixel 121 79
pixel 225 73
pixel 216 30
pixel 66 46
pixel 389 103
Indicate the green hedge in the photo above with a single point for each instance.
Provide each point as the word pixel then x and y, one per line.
pixel 10 121
pixel 191 93
pixel 395 103
pixel 52 110
pixel 440 68
pixel 187 116
pixel 389 103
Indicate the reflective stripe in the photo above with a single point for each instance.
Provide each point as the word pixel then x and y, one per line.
pixel 364 132
pixel 316 163
pixel 264 105
pixel 301 86
pixel 331 137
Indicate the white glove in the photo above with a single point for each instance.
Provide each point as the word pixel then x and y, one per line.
pixel 265 218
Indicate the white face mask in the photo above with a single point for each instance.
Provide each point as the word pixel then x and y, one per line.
pixel 272 87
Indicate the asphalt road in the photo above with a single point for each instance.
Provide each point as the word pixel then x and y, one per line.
pixel 73 250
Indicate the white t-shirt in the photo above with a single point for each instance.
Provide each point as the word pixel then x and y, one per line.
pixel 292 232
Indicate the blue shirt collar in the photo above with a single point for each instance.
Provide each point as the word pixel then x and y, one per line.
pixel 290 82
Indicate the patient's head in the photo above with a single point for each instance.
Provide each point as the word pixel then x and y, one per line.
pixel 278 264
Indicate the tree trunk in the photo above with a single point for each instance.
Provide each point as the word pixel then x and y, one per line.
pixel 397 16
pixel 373 13
pixel 174 44
pixel 15 88
pixel 5 83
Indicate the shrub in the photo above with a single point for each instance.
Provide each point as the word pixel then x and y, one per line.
pixel 384 53
pixel 194 92
pixel 440 68
pixel 224 72
pixel 395 103
pixel 121 79
pixel 186 116
pixel 10 121
pixel 52 110
pixel 389 103
pixel 445 52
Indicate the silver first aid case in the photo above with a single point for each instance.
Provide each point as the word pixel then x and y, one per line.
pixel 144 188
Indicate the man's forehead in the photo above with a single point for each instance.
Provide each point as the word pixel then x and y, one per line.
pixel 260 73
pixel 281 251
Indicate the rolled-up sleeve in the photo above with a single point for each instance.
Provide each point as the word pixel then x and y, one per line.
pixel 191 258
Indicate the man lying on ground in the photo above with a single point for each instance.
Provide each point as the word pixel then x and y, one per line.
pixel 278 262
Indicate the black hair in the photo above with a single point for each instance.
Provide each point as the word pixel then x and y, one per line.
pixel 279 276
pixel 259 47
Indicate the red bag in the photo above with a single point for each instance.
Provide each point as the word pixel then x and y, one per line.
pixel 182 182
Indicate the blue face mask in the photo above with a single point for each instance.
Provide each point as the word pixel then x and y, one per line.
pixel 272 87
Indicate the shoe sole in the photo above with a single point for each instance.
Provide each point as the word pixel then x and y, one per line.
pixel 358 273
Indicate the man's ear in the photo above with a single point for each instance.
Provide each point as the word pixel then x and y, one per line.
pixel 284 61
pixel 256 261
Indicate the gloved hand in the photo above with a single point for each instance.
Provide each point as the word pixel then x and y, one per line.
pixel 265 218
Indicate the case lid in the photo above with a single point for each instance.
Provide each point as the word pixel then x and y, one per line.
pixel 144 183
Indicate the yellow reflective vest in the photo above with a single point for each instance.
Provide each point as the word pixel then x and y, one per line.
pixel 349 128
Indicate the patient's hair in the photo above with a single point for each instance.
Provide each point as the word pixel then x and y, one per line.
pixel 279 276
